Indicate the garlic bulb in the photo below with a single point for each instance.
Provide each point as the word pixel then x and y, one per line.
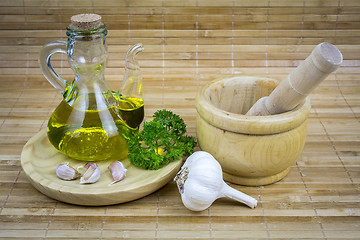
pixel 92 173
pixel 200 183
pixel 66 172
pixel 118 171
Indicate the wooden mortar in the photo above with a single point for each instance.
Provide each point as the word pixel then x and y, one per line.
pixel 252 150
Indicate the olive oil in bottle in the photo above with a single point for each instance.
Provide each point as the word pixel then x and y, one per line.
pixel 131 110
pixel 89 135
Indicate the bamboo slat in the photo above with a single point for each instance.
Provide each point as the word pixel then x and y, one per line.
pixel 188 44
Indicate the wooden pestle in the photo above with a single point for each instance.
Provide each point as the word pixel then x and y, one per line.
pixel 324 59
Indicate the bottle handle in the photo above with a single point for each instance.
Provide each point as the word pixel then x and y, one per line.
pixel 45 64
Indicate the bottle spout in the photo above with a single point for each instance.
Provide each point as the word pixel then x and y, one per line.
pixel 130 61
pixel 131 87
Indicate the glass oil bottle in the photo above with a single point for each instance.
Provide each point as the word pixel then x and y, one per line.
pixel 91 123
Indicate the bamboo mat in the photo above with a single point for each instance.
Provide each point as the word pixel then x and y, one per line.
pixel 187 44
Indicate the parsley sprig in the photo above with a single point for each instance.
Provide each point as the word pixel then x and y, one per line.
pixel 161 141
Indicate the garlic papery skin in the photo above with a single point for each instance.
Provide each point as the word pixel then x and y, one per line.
pixel 66 172
pixel 118 171
pixel 200 183
pixel 92 173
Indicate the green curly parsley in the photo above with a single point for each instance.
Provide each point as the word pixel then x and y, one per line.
pixel 161 141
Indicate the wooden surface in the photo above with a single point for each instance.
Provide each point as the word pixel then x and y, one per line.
pixel 39 160
pixel 187 44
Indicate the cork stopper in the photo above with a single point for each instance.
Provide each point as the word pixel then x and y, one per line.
pixel 85 22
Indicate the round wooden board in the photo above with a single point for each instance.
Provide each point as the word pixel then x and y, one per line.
pixel 39 160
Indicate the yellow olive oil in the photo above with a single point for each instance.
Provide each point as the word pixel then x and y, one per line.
pixel 131 110
pixel 90 135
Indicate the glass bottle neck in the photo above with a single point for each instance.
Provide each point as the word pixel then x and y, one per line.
pixel 87 52
pixel 88 55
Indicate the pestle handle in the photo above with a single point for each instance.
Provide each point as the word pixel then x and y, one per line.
pixel 324 59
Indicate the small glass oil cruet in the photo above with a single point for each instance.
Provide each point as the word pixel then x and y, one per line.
pixel 130 95
pixel 92 123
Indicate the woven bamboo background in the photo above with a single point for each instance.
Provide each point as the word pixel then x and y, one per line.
pixel 187 44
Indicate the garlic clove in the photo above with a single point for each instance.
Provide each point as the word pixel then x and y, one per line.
pixel 118 171
pixel 91 175
pixel 66 172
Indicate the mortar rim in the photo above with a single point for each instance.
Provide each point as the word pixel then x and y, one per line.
pixel 255 125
